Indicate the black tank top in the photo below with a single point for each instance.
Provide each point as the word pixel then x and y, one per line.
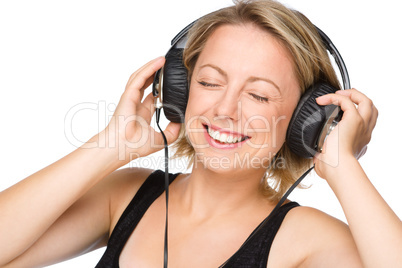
pixel 252 254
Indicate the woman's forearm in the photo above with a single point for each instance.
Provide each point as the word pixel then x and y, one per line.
pixel 376 229
pixel 30 207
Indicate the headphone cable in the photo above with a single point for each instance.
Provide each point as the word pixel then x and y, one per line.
pixel 165 258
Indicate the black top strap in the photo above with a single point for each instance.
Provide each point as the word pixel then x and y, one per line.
pixel 255 250
pixel 150 190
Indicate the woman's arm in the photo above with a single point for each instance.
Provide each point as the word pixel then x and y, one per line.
pixel 32 206
pixel 375 228
pixel 86 225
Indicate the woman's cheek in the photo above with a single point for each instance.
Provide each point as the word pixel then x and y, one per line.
pixel 269 128
pixel 280 124
pixel 195 130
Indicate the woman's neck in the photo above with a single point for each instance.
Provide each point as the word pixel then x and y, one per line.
pixel 206 193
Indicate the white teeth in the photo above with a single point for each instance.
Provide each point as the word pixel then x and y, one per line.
pixel 215 135
pixel 223 137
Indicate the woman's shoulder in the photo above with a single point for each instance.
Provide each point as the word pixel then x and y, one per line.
pixel 316 238
pixel 123 184
pixel 312 217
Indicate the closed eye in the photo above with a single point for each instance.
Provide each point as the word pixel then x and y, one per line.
pixel 206 84
pixel 259 98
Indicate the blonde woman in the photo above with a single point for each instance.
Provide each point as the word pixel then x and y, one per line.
pixel 248 67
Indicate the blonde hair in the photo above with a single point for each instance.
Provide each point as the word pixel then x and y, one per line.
pixel 310 62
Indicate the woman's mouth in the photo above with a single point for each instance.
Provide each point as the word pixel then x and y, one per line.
pixel 220 137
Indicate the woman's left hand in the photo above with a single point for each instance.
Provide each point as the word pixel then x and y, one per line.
pixel 352 134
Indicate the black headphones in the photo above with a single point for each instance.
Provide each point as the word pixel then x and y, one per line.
pixel 310 124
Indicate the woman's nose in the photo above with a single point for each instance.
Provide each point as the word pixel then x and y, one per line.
pixel 229 106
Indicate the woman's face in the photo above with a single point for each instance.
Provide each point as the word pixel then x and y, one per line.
pixel 242 95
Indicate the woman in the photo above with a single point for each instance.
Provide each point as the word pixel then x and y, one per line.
pixel 213 209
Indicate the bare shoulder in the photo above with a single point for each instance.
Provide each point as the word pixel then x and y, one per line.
pixel 316 239
pixel 123 184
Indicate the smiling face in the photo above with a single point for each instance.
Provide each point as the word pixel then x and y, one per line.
pixel 242 95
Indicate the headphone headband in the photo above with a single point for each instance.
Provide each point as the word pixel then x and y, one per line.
pixel 337 56
pixel 180 40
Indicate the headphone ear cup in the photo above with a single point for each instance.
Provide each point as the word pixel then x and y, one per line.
pixel 308 121
pixel 175 86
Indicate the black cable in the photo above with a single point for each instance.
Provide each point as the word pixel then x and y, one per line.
pixel 165 259
pixel 285 196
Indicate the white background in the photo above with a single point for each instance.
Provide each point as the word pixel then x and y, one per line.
pixel 55 55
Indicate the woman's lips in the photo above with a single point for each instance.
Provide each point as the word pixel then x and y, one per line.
pixel 223 139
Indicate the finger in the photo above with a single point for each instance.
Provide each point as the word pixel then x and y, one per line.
pixel 371 124
pixel 373 120
pixel 147 70
pixel 142 79
pixel 132 76
pixel 364 104
pixel 145 86
pixel 346 104
pixel 147 108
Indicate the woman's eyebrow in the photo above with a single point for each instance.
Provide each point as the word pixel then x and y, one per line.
pixel 219 70
pixel 250 80
pixel 255 79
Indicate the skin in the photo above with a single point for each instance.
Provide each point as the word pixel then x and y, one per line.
pixel 212 205
pixel 243 94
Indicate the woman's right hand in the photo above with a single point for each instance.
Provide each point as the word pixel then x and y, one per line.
pixel 129 130
pixel 65 201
